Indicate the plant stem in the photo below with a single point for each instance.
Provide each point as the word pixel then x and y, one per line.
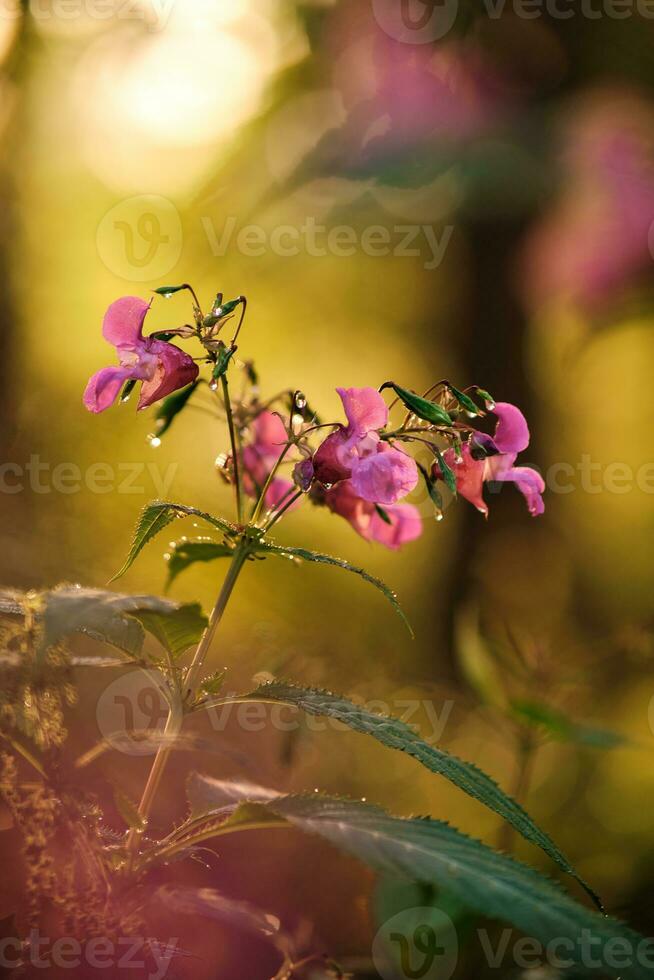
pixel 264 490
pixel 238 560
pixel 174 721
pixel 232 439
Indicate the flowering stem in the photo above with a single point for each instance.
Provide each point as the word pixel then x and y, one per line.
pixel 264 490
pixel 232 439
pixel 239 558
pixel 173 723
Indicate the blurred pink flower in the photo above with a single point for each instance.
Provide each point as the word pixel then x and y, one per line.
pixel 162 367
pixel 261 454
pixel 405 526
pixel 510 438
pixel 598 238
pixel 379 473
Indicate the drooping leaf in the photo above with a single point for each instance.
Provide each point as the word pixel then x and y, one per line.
pixel 422 407
pixel 171 406
pixel 432 489
pixel 558 726
pixel 485 881
pixel 267 548
pixel 396 734
pixel 425 850
pixel 211 903
pixel 177 630
pixel 106 616
pixel 155 517
pixel 446 471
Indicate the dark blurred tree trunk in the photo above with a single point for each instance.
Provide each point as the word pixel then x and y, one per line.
pixel 493 356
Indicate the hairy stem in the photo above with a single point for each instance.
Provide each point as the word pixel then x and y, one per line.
pixel 235 455
pixel 174 722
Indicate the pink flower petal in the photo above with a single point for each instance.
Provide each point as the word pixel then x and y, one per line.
pixel 469 476
pixel 365 409
pixel 270 436
pixel 331 459
pixel 104 387
pixel 405 526
pixel 279 492
pixel 175 369
pixel 530 484
pixel 512 432
pixel 123 322
pixel 384 477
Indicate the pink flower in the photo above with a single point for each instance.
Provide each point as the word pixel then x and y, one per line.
pixel 379 473
pixel 597 239
pixel 261 454
pixel 162 367
pixel 511 437
pixel 405 526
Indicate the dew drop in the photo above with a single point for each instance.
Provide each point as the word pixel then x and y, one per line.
pixel 328 486
pixel 438 516
pixel 154 440
pixel 167 556
pixel 300 400
pixel 213 385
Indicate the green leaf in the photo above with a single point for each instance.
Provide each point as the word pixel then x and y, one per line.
pixel 128 388
pixel 129 811
pixel 213 685
pixel 225 355
pixel 187 553
pixel 464 400
pixel 563 729
pixel 446 471
pixel 106 616
pixel 171 407
pixel 265 547
pixel 396 734
pixel 383 514
pixel 156 516
pixel 422 407
pixel 177 630
pixel 487 882
pixel 432 489
pixel 167 291
pixel 488 398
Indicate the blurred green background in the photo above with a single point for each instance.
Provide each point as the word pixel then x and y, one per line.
pixel 472 204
